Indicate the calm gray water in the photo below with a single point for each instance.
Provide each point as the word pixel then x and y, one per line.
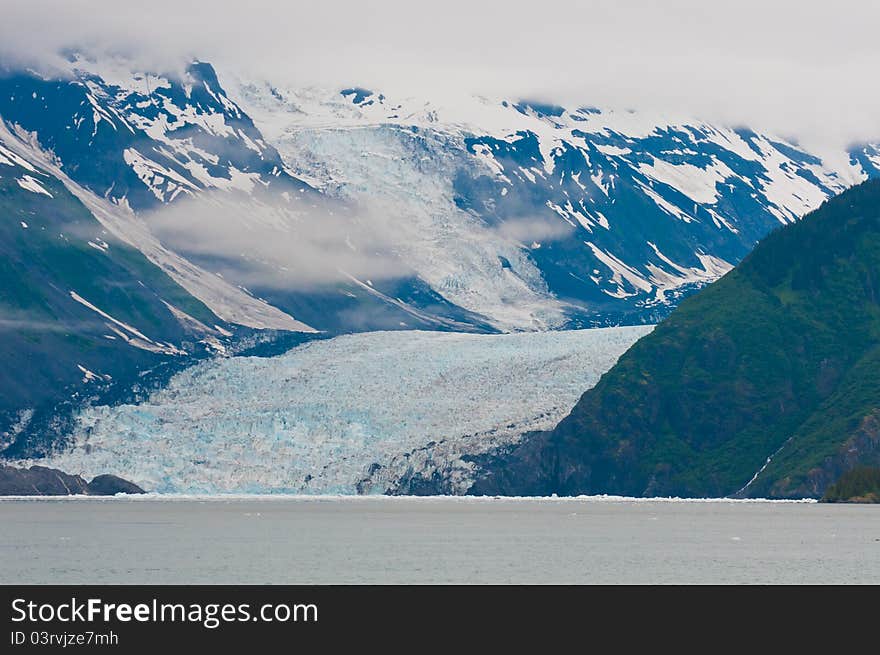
pixel 386 540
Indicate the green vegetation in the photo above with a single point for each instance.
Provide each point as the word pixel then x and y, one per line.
pixel 861 485
pixel 779 359
pixel 50 246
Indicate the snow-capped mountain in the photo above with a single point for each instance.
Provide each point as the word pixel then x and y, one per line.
pixel 138 142
pixel 504 215
pixel 614 215
pixel 209 205
pixel 80 309
pixel 139 138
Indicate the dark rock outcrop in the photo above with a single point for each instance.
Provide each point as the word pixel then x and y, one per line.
pixel 39 481
pixel 44 481
pixel 109 485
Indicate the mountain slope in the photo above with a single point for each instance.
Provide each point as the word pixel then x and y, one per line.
pixel 218 202
pixel 142 138
pixel 494 215
pixel 767 383
pixel 617 214
pixel 80 310
pixel 141 142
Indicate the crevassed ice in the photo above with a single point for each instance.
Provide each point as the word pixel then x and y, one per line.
pixel 315 419
pixel 453 251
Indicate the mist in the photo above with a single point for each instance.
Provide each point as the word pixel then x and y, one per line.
pixel 802 69
pixel 274 244
pixel 282 246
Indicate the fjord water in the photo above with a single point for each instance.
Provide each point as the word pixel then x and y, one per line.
pixel 435 540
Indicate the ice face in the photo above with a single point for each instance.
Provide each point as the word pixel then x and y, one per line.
pixel 326 415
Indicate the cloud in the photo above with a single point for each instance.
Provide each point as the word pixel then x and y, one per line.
pixel 525 230
pixel 804 68
pixel 23 322
pixel 284 245
pixel 276 244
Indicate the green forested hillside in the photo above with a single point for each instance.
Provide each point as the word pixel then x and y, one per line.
pixel 860 485
pixel 779 359
pixel 79 309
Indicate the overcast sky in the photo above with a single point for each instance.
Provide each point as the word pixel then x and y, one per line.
pixel 807 68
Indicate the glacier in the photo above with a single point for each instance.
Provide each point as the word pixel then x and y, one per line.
pixel 473 213
pixel 352 414
pixel 649 207
pixel 511 214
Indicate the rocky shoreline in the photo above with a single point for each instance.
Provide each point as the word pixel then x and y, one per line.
pixel 44 481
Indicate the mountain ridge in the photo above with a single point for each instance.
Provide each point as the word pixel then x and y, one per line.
pixel 652 207
pixel 763 384
pixel 526 215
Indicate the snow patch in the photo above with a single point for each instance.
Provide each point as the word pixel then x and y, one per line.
pixel 28 183
pixel 89 376
pixel 134 337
